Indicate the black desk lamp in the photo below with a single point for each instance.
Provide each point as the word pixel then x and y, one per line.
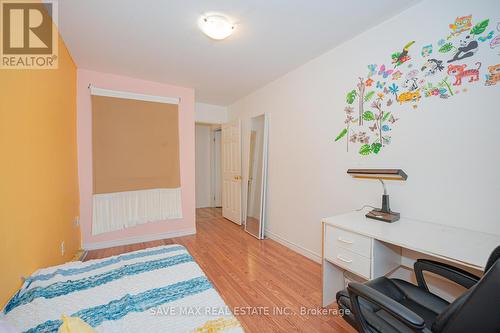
pixel 384 214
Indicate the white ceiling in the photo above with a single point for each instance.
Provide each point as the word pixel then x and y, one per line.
pixel 159 40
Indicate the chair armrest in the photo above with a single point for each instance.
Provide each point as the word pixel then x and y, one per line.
pixel 398 311
pixel 449 272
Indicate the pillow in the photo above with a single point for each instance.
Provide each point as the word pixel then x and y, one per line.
pixel 74 325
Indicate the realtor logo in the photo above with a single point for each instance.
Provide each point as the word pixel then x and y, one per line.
pixel 29 35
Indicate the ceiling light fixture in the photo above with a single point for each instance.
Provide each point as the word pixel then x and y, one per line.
pixel 216 26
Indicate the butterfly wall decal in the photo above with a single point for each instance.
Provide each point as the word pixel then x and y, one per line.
pixel 372 69
pixel 392 119
pixel 380 85
pixel 385 73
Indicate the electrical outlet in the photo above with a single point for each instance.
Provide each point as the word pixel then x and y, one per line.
pixel 62 248
pixel 77 221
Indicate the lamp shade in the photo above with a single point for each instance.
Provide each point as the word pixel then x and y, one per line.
pixel 216 27
pixel 382 174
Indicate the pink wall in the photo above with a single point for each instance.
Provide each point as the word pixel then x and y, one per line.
pixel 187 156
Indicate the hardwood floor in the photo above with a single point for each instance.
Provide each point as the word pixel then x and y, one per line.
pixel 253 273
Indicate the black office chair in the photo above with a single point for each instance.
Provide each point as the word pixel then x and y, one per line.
pixel 392 305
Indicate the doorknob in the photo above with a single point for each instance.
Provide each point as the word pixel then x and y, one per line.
pixel 237 177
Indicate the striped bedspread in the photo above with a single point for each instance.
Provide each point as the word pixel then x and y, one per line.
pixel 159 289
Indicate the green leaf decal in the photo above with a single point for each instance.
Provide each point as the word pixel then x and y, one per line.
pixel 365 150
pixel 351 96
pixel 446 48
pixel 369 95
pixel 341 134
pixel 368 116
pixel 376 147
pixel 386 116
pixel 480 27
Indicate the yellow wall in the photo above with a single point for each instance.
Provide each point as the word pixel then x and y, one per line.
pixel 38 170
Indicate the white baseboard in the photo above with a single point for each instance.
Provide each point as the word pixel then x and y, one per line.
pixel 141 239
pixel 294 247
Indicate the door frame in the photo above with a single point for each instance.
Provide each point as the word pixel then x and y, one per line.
pixel 213 186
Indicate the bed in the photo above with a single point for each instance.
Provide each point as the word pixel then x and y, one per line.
pixel 159 289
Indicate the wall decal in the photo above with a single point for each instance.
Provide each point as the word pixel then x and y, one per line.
pixel 385 73
pixel 460 25
pixel 494 75
pixel 496 40
pixel 447 47
pixel 460 72
pixel 488 36
pixel 444 74
pixel 372 69
pixel 426 50
pixel 468 47
pixel 432 66
pixel 397 75
pixel 398 58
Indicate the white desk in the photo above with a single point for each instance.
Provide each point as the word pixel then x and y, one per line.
pixel 369 248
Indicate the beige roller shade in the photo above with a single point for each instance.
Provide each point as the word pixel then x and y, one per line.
pixel 135 145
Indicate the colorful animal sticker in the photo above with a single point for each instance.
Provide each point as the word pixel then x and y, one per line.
pixel 410 96
pixel 494 75
pixel 460 25
pixel 410 84
pixel 426 50
pixel 396 75
pixel 459 72
pixel 468 47
pixel 432 66
pixel 399 58
pixel 496 40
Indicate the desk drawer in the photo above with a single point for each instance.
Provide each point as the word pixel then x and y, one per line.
pixel 350 261
pixel 353 242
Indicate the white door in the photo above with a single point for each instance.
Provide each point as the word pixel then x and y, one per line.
pixel 231 171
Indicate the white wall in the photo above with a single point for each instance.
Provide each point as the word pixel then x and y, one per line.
pixel 449 148
pixel 203 165
pixel 210 114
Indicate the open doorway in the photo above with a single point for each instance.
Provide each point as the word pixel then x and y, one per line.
pixel 216 168
pixel 208 165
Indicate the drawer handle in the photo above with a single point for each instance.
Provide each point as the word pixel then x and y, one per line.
pixel 345 241
pixel 344 259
